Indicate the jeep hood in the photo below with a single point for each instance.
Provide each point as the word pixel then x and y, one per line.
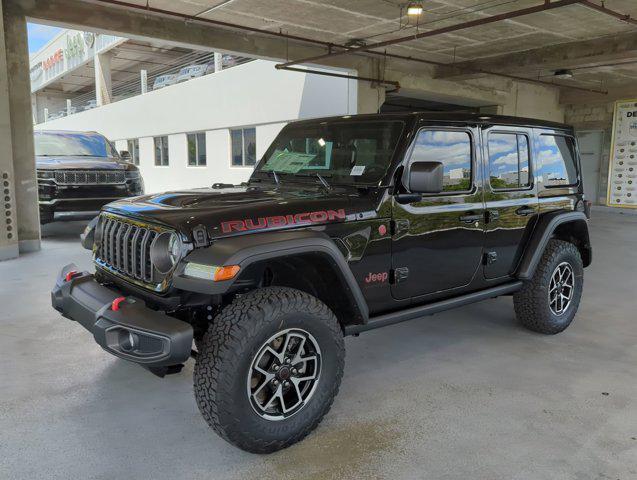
pixel 81 163
pixel 240 210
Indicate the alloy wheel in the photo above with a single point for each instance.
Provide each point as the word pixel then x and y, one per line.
pixel 284 374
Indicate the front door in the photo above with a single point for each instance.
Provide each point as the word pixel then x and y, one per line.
pixel 510 197
pixel 437 241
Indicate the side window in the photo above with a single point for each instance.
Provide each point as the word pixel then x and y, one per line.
pixel 508 161
pixel 133 149
pixel 243 145
pixel 556 154
pixel 161 151
pixel 451 148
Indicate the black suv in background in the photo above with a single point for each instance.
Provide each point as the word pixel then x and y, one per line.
pixel 346 224
pixel 79 172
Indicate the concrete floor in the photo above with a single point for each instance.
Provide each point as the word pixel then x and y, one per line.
pixel 463 395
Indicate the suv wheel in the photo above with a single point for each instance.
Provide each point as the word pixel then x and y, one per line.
pixel 548 302
pixel 269 368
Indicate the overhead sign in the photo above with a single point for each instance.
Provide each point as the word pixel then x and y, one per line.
pixel 622 174
pixel 53 60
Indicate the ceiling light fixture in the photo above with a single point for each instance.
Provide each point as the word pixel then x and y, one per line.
pixel 564 73
pixel 414 9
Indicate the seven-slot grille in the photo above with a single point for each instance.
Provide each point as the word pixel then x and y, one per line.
pixel 125 248
pixel 89 177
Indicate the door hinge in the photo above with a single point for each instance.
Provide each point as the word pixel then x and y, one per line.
pixel 400 274
pixel 491 215
pixel 490 258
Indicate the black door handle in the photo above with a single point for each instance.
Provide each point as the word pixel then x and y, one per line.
pixel 524 211
pixel 471 218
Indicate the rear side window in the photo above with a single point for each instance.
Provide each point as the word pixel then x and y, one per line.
pixel 508 161
pixel 453 150
pixel 556 154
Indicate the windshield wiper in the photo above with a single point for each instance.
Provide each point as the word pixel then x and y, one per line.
pixel 323 181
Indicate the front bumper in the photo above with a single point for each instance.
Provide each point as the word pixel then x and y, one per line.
pixel 131 331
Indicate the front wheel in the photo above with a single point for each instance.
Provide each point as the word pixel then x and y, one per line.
pixel 548 302
pixel 269 368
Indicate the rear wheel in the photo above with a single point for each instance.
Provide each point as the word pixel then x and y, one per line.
pixel 268 368
pixel 549 301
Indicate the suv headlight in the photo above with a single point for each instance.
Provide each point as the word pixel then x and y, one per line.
pixel 45 174
pixel 166 251
pixel 133 175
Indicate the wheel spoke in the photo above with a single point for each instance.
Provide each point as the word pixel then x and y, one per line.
pixel 265 382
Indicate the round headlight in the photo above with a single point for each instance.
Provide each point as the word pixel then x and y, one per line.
pixel 165 251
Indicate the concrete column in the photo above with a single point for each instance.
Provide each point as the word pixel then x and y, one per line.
pixel 103 84
pixel 25 185
pixel 218 62
pixel 8 235
pixel 370 96
pixel 143 78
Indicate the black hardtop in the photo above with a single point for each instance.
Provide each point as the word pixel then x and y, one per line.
pixel 448 118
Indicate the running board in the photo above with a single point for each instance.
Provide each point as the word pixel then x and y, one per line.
pixel 431 308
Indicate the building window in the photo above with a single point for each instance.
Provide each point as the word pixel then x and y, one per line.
pixel 453 150
pixel 133 149
pixel 244 147
pixel 556 154
pixel 197 149
pixel 161 151
pixel 508 161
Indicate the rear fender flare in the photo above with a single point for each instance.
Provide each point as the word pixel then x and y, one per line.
pixel 544 231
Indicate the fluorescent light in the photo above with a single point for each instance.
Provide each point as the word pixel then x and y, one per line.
pixel 414 9
pixel 321 142
pixel 564 73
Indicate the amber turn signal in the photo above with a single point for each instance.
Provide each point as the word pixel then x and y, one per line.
pixel 226 273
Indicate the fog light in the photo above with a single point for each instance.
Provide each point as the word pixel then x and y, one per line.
pixel 128 341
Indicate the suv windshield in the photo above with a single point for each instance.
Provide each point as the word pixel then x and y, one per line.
pixel 72 145
pixel 346 152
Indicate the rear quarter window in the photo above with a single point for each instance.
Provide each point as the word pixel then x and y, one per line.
pixel 557 155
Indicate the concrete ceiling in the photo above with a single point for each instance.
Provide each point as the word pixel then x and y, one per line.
pixel 371 21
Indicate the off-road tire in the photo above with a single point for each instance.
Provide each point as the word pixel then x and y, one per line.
pixel 225 358
pixel 532 303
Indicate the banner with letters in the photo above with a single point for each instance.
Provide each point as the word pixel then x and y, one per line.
pixel 622 172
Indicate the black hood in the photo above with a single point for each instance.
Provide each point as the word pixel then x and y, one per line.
pixel 82 163
pixel 232 211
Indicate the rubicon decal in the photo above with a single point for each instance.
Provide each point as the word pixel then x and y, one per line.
pixel 305 218
pixel 380 277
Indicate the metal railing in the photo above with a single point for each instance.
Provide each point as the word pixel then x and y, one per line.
pixel 132 86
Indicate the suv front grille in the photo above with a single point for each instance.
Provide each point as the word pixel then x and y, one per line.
pixel 125 249
pixel 89 177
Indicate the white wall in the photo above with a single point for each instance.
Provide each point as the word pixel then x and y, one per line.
pixel 251 95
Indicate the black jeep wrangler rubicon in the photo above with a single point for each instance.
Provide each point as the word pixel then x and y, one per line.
pixel 347 224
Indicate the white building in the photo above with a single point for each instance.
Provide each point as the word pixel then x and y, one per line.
pixel 192 134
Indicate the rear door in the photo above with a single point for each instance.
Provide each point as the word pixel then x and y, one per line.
pixel 437 241
pixel 510 196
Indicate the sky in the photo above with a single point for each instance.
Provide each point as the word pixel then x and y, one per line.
pixel 39 35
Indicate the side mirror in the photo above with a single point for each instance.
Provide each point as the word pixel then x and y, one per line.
pixel 125 155
pixel 425 177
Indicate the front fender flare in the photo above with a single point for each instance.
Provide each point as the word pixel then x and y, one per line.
pixel 245 250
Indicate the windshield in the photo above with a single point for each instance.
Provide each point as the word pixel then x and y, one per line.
pixel 346 152
pixel 72 145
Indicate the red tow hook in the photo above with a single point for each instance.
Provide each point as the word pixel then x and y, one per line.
pixel 71 274
pixel 115 305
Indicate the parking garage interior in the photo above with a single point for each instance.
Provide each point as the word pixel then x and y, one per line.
pixel 467 393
